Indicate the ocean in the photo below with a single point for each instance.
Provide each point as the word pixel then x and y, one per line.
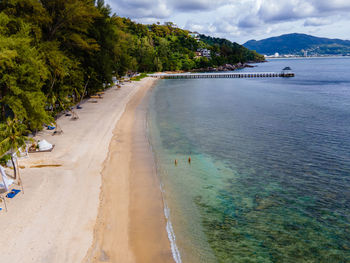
pixel 269 177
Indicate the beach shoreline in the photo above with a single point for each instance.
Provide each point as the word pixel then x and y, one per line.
pixel 54 220
pixel 134 230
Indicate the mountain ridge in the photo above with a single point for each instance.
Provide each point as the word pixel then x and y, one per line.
pixel 297 44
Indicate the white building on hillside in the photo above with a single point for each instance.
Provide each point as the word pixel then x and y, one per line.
pixel 195 35
pixel 204 52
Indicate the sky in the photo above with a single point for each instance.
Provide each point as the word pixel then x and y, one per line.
pixel 243 20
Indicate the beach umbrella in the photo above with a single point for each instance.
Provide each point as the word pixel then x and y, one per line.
pixel 6 182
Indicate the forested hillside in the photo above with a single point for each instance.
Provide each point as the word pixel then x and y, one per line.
pixel 298 44
pixel 50 50
pixel 229 52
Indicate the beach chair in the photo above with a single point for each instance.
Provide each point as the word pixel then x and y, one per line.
pixel 57 131
pixel 74 116
pixel 23 152
pixel 9 194
pixel 96 97
pixel 2 199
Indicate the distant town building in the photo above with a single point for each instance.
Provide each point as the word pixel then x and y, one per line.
pixel 203 52
pixel 304 52
pixel 276 55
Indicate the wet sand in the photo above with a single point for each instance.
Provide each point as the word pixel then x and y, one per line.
pixel 131 226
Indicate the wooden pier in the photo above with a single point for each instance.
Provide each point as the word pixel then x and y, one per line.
pixel 223 75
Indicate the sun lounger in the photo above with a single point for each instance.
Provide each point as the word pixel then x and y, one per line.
pixel 13 193
pixel 96 97
pixel 4 187
pixel 4 200
pixel 74 116
pixel 23 152
pixel 57 132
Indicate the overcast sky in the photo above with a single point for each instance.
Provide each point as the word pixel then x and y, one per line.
pixel 242 20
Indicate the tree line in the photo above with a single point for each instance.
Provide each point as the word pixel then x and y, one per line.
pixel 53 51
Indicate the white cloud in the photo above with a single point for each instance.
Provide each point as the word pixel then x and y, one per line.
pixel 315 21
pixel 331 5
pixel 139 9
pixel 265 10
pixel 195 27
pixel 195 5
pixel 240 18
pixel 161 9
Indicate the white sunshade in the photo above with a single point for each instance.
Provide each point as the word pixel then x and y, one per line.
pixel 44 145
pixel 5 182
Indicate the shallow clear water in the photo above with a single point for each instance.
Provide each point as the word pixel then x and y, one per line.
pixel 269 179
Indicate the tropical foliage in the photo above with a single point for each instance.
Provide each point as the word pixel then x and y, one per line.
pixel 51 49
pixel 13 139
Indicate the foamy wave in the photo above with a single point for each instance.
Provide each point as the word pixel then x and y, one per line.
pixel 169 227
pixel 170 230
pixel 171 236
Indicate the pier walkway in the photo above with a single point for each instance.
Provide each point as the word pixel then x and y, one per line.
pixel 222 75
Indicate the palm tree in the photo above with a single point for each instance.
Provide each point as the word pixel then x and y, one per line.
pixel 12 139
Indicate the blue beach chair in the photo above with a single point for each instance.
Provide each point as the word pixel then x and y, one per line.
pixel 13 193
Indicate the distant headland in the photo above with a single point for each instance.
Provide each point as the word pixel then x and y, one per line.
pixel 299 45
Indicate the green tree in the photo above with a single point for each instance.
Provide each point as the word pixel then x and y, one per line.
pixel 65 78
pixel 103 60
pixel 145 55
pixel 23 74
pixel 50 48
pixel 12 139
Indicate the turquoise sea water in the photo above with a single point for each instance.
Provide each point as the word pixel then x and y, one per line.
pixel 269 179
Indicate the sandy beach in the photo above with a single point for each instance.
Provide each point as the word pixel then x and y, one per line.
pixel 95 197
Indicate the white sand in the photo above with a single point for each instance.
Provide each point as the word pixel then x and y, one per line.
pixel 54 220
